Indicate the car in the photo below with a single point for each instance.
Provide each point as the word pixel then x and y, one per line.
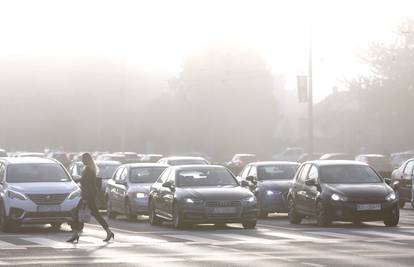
pixel 175 161
pixel 379 162
pixel 130 157
pixel 127 192
pixel 333 190
pixel 289 154
pixel 3 153
pixel 307 157
pixel 62 157
pixel 112 157
pixel 36 191
pixel 401 181
pixel 105 171
pixel 336 156
pixel 239 161
pixel 270 182
pixel 151 158
pixel 399 158
pixel 195 194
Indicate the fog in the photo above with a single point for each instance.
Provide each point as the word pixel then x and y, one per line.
pixel 213 93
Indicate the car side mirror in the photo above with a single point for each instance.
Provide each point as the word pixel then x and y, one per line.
pixel 251 179
pixel 76 178
pixel 244 183
pixel 169 185
pixel 310 182
pixel 122 182
pixel 387 181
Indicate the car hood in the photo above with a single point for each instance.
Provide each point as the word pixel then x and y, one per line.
pixel 214 193
pixel 275 185
pixel 44 188
pixel 360 191
pixel 144 188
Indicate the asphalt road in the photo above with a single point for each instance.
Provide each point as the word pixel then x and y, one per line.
pixel 273 243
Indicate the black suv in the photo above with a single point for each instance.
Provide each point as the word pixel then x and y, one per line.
pixel 343 191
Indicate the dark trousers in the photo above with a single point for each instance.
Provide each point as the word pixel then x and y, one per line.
pixel 94 212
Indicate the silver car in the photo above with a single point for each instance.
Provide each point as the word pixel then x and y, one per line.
pixel 127 191
pixel 35 190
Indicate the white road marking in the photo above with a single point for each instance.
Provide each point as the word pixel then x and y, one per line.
pixel 336 235
pixel 383 234
pixel 48 242
pixel 194 238
pixel 291 236
pixel 7 245
pixel 245 238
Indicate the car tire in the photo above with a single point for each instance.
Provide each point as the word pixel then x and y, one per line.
pixel 5 222
pixel 393 218
pixel 153 218
pixel 109 212
pixel 177 219
pixel 294 217
pixel 249 224
pixel 322 218
pixel 129 213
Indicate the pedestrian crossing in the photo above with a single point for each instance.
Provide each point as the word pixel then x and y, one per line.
pixel 260 236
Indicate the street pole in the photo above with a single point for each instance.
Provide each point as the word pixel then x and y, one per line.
pixel 310 97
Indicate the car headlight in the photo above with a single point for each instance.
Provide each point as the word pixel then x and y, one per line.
pixel 141 195
pixel 391 197
pixel 337 197
pixel 75 194
pixel 249 200
pixel 270 193
pixel 14 194
pixel 193 201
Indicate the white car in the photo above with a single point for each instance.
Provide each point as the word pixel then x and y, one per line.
pixel 35 191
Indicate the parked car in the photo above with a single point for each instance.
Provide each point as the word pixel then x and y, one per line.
pixel 401 181
pixel 289 154
pixel 239 161
pixel 62 157
pixel 175 161
pixel 341 191
pixel 379 162
pixel 127 192
pixel 399 158
pixel 201 194
pixel 105 171
pixel 130 157
pixel 270 182
pixel 306 157
pixel 336 156
pixel 35 190
pixel 151 158
pixel 112 157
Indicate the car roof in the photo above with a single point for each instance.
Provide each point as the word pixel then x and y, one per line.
pixel 109 162
pixel 143 165
pixel 185 167
pixel 26 160
pixel 336 162
pixel 266 163
pixel 182 157
pixel 245 155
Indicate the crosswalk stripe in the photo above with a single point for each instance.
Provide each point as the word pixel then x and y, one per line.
pixel 48 242
pixel 7 245
pixel 290 236
pixel 335 235
pixel 382 234
pixel 194 238
pixel 244 238
pixel 140 239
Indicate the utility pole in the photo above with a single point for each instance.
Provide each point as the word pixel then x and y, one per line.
pixel 310 97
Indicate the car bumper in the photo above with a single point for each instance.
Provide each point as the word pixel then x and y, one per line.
pixel 273 203
pixel 140 206
pixel 26 211
pixel 346 211
pixel 191 214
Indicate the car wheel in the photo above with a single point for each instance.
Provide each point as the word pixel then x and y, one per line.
pixel 393 218
pixel 111 214
pixel 129 213
pixel 249 224
pixel 294 217
pixel 153 218
pixel 5 223
pixel 322 218
pixel 177 220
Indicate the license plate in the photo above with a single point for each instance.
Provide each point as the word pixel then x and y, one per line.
pixel 48 208
pixel 224 210
pixel 362 207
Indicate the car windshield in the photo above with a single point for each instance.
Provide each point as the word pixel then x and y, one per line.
pixel 36 173
pixel 205 177
pixel 348 174
pixel 187 162
pixel 276 172
pixel 145 174
pixel 106 171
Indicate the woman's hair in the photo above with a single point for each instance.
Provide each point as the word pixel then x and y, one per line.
pixel 88 161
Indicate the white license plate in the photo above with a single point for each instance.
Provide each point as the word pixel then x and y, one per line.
pixel 224 210
pixel 48 208
pixel 362 207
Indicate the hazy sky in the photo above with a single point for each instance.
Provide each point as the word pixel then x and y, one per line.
pixel 157 35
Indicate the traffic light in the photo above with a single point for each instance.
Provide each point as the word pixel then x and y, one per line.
pixel 302 88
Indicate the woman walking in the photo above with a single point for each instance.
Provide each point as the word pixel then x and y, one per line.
pixel 88 197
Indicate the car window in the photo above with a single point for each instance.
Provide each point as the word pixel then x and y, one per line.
pixel 303 173
pixel 2 170
pixel 118 174
pixel 245 171
pixel 145 174
pixel 36 173
pixel 348 174
pixel 253 171
pixel 313 173
pixel 164 176
pixel 124 175
pixel 276 172
pixel 205 177
pixel 409 168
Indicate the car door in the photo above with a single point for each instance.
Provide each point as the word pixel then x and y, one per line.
pixel 120 189
pixel 156 190
pixel 112 188
pixel 166 196
pixel 406 181
pixel 311 191
pixel 299 188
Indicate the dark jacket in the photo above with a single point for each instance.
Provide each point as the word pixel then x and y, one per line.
pixel 88 185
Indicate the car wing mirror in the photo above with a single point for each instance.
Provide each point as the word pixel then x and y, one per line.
pixel 251 179
pixel 387 181
pixel 122 182
pixel 310 182
pixel 76 178
pixel 244 183
pixel 169 185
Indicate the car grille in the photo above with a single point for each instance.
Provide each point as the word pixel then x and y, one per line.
pixel 212 204
pixel 48 199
